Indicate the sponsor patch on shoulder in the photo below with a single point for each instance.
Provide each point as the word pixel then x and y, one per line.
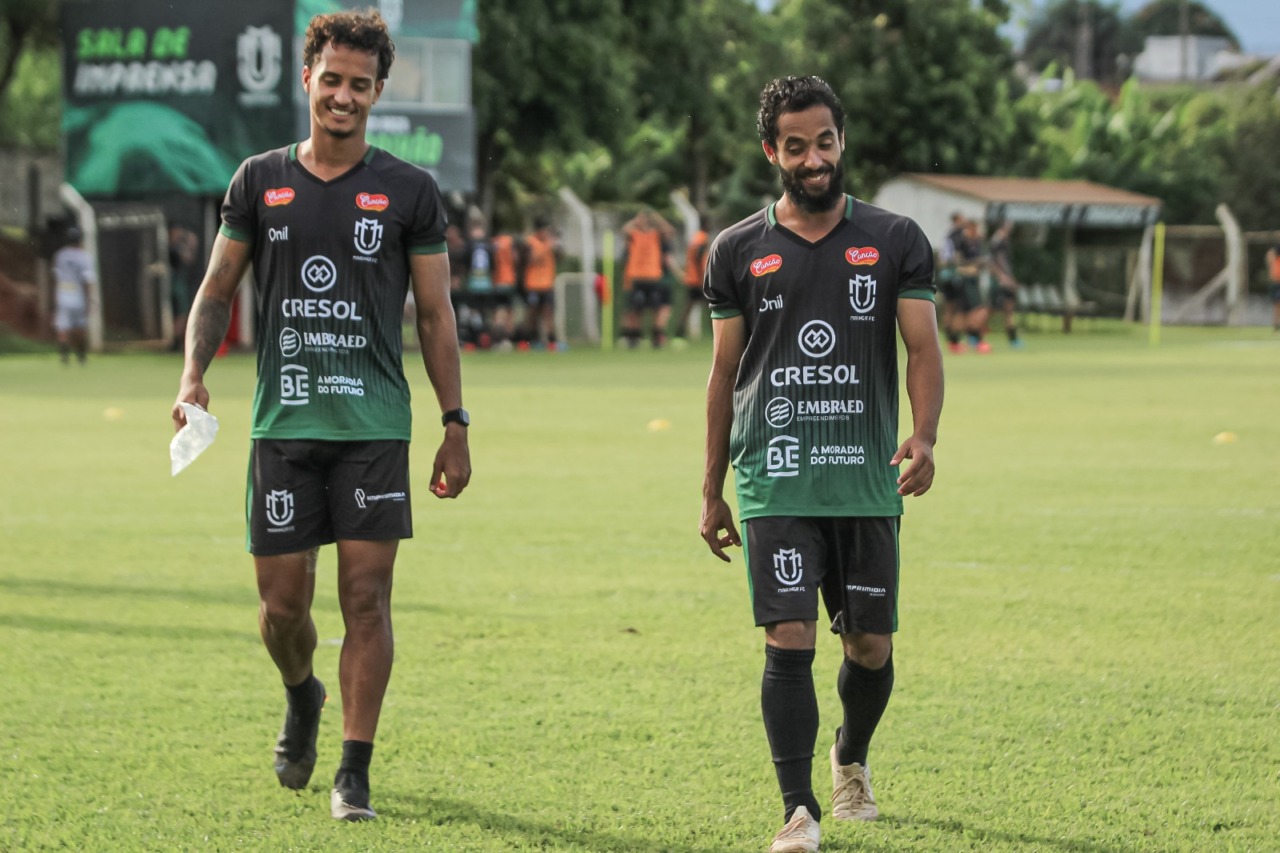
pixel 862 256
pixel 279 196
pixel 372 201
pixel 766 265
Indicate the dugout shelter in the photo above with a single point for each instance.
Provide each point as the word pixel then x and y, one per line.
pixel 1077 213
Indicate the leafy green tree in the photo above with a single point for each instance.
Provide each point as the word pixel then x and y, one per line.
pixel 29 73
pixel 1055 31
pixel 925 89
pixel 1164 18
pixel 548 76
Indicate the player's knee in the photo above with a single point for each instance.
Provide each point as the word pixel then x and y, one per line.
pixel 284 614
pixel 870 651
pixel 792 635
pixel 365 601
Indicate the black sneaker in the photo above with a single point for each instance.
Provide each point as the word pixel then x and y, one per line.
pixel 296 746
pixel 350 798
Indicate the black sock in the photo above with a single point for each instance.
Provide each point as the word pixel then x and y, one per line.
pixel 790 708
pixel 305 698
pixel 864 693
pixel 1012 332
pixel 953 337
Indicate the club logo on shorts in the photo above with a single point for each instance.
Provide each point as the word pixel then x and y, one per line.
pixel 279 196
pixel 319 273
pixel 817 338
pixel 782 457
pixel 788 566
pixel 766 265
pixel 372 201
pixel 368 236
pixel 279 507
pixel 862 293
pixel 779 411
pixel 861 257
pixel 360 498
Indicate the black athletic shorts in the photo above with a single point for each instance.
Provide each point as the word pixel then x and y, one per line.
pixel 305 493
pixel 538 298
pixel 695 293
pixel 648 293
pixel 1001 295
pixel 853 562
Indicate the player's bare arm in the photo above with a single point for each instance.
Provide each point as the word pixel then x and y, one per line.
pixel 209 320
pixel 918 323
pixel 730 340
pixel 438 335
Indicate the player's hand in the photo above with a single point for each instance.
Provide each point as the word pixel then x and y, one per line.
pixel 452 468
pixel 717 516
pixel 918 477
pixel 188 392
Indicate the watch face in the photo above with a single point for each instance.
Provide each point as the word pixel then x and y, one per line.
pixel 456 416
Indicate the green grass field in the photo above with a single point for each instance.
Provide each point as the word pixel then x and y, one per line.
pixel 1089 656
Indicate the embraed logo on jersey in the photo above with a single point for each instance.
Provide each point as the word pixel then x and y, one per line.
pixel 372 201
pixel 278 197
pixel 766 265
pixel 861 257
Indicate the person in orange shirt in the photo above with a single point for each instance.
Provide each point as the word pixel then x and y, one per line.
pixel 543 246
pixel 648 257
pixel 505 248
pixel 695 267
pixel 1273 269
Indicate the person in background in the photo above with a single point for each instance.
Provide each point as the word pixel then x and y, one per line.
pixel 183 247
pixel 543 247
pixel 695 268
pixel 647 244
pixel 75 283
pixel 1004 289
pixel 1273 272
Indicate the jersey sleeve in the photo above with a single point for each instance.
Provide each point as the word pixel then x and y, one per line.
pixel 916 278
pixel 426 235
pixel 718 283
pixel 239 213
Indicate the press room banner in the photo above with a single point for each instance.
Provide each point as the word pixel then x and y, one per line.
pixel 164 97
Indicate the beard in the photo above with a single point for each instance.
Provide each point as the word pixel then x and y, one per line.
pixel 793 183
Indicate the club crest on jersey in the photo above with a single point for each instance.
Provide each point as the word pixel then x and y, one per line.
pixel 278 197
pixel 368 236
pixel 862 257
pixel 372 201
pixel 766 265
pixel 862 293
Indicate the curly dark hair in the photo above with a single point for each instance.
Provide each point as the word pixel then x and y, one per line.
pixel 355 30
pixel 791 95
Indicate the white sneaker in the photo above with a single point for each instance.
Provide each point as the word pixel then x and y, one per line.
pixel 801 834
pixel 851 797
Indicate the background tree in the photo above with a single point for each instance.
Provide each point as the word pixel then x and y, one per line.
pixel 1056 34
pixel 29 74
pixel 926 89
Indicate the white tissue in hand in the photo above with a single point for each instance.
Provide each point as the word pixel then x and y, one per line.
pixel 192 439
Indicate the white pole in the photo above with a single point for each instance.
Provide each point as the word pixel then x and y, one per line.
pixel 1236 254
pixel 590 321
pixel 88 225
pixel 692 222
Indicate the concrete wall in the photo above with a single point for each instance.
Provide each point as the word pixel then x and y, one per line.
pixel 28 187
pixel 930 207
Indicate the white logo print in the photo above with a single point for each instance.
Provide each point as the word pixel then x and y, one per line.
pixel 779 411
pixel 290 342
pixel 360 498
pixel 783 457
pixel 787 566
pixel 295 385
pixel 817 338
pixel 319 273
pixel 368 236
pixel 279 507
pixel 258 54
pixel 862 293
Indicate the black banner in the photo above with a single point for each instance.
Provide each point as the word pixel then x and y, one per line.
pixel 165 98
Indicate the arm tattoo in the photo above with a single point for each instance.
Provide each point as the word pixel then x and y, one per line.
pixel 206 329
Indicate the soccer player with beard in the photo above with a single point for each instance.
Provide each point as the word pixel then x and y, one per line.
pixel 336 232
pixel 808 299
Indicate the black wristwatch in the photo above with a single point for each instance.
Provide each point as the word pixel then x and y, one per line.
pixel 456 416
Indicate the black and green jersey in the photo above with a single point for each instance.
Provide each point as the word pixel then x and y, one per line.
pixel 815 405
pixel 331 269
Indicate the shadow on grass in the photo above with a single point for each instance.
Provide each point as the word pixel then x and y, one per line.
pixel 60 625
pixel 441 811
pixel 245 597
pixel 976 835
